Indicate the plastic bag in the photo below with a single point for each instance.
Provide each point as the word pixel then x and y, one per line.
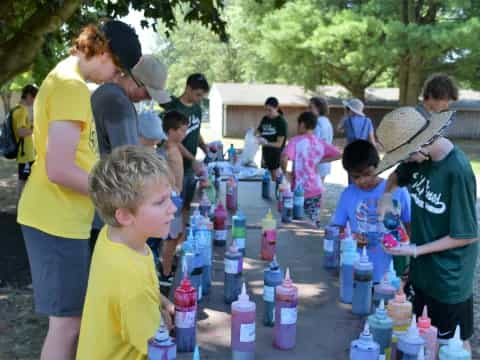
pixel 250 148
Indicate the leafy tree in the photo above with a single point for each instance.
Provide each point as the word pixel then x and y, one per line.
pixel 25 24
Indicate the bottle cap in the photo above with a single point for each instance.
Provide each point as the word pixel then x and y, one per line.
pixel 243 297
pixel 412 334
pixel 162 334
pixel 424 322
pixel 274 264
pixel 455 344
pixel 196 353
pixel 287 282
pixel 400 296
pixel 380 311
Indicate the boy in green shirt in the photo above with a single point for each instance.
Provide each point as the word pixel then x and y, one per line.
pixel 444 222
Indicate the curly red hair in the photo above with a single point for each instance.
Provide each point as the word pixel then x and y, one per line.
pixel 91 42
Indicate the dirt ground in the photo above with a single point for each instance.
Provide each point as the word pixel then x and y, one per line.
pixel 22 332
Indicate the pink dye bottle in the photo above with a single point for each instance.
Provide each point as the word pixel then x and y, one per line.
pixel 285 328
pixel 429 334
pixel 243 327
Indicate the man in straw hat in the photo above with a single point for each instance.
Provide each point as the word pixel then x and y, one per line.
pixel 444 221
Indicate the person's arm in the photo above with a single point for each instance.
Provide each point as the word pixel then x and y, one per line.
pixel 371 138
pixel 202 145
pixel 284 162
pixel 330 153
pixel 63 139
pixel 341 124
pixel 168 312
pixel 445 243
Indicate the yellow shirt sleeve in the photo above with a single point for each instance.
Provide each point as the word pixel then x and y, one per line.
pixel 68 101
pixel 20 120
pixel 140 320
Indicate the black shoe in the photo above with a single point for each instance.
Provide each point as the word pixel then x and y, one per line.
pixel 166 282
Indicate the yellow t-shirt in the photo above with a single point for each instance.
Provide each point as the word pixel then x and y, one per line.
pixel 122 306
pixel 20 119
pixel 46 206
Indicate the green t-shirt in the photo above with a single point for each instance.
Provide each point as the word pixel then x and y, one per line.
pixel 272 129
pixel 192 139
pixel 443 203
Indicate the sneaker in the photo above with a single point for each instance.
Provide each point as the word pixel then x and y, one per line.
pixel 166 282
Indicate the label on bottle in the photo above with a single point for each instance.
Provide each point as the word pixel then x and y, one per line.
pixel 185 319
pixel 221 235
pixel 288 203
pixel 232 266
pixel 288 316
pixel 247 332
pixel 328 245
pixel 298 201
pixel 269 293
pixel 240 243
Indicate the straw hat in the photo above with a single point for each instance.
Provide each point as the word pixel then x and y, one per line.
pixel 355 105
pixel 404 131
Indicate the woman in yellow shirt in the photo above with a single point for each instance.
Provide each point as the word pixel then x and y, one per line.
pixel 55 210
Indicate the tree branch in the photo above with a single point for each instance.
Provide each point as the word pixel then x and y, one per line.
pixel 19 52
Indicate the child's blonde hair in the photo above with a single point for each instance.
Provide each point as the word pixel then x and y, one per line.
pixel 118 180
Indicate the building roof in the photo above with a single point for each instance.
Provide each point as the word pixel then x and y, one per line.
pixel 297 96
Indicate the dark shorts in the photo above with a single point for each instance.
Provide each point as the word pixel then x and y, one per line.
pixel 446 316
pixel 188 191
pixel 24 171
pixel 59 268
pixel 271 158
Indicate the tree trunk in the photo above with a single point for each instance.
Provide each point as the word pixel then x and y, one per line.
pixel 18 53
pixel 6 98
pixel 410 79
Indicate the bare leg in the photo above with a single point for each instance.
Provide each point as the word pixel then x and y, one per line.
pixel 62 338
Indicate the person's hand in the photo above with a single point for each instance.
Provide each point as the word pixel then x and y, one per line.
pixel 385 204
pixel 198 168
pixel 402 250
pixel 168 314
pixel 261 140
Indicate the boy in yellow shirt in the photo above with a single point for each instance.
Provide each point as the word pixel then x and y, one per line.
pixel 23 129
pixel 131 191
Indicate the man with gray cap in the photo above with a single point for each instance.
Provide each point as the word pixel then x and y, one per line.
pixel 114 113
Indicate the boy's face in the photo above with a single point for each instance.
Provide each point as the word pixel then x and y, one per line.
pixel 364 179
pixel 177 135
pixel 153 216
pixel 195 96
pixel 271 112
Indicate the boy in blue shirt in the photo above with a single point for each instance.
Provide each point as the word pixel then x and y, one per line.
pixel 358 204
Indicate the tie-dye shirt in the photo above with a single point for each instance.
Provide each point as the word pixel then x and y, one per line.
pixel 306 151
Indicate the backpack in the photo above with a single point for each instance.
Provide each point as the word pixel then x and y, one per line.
pixel 8 145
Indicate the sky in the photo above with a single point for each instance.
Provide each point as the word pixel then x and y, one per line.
pixel 146 36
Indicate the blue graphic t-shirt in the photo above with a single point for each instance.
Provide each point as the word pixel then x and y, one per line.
pixel 359 208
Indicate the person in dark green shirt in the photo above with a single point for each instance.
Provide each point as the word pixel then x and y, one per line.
pixel 272 133
pixel 444 226
pixel 188 103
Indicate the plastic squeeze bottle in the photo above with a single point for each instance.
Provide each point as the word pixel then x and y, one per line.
pixel 220 225
pixel 243 327
pixel 381 326
pixel 429 333
pixel 266 185
pixel 185 300
pixel 454 350
pixel 364 348
pixel 161 346
pixel 348 259
pixel 233 262
pixel 269 236
pixel 239 230
pixel 232 193
pixel 287 207
pixel 285 327
pixel 362 285
pixel 298 202
pixel 272 277
pixel 410 343
pixel 384 290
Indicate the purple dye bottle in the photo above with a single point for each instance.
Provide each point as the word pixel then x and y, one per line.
pixel 285 327
pixel 161 346
pixel 243 327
